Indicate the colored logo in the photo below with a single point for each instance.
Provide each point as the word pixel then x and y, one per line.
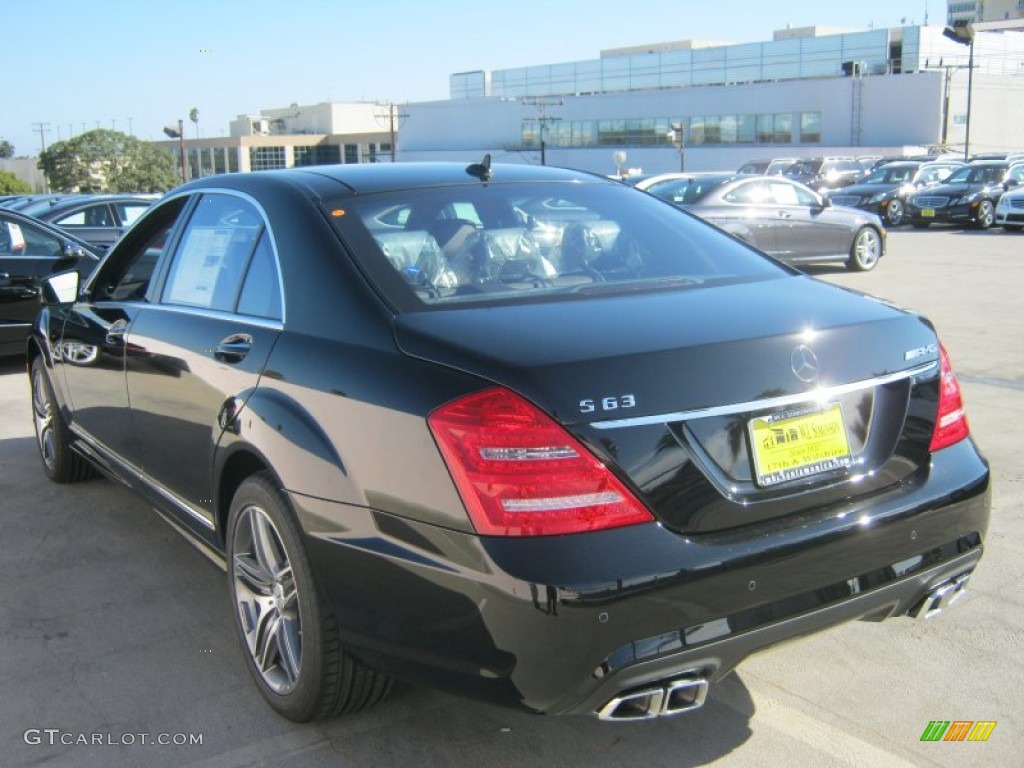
pixel 958 730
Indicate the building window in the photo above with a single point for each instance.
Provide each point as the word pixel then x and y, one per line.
pixel 351 154
pixel 321 154
pixel 810 127
pixel 232 159
pixel 266 158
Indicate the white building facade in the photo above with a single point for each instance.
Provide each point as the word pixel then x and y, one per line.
pixel 806 92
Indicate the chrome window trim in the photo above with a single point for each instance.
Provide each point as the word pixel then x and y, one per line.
pixel 215 314
pixel 824 393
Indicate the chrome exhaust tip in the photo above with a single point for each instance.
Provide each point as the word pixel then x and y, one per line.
pixel 669 698
pixel 940 596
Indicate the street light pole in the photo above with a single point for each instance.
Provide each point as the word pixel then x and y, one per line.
pixel 962 32
pixel 970 90
pixel 180 136
pixel 678 138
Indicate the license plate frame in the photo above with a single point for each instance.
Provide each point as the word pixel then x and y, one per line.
pixel 798 443
pixel 928 213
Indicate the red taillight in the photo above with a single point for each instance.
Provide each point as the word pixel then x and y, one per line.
pixel 521 474
pixel 951 421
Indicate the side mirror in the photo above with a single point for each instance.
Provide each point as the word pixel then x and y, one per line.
pixel 61 288
pixel 1011 183
pixel 72 251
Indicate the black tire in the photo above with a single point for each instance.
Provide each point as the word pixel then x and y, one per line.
pixel 895 213
pixel 986 215
pixel 53 439
pixel 865 251
pixel 919 224
pixel 305 673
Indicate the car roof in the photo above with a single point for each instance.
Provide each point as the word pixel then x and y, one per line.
pixel 48 209
pixel 379 177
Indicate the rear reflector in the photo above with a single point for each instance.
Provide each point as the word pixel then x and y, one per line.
pixel 951 420
pixel 519 473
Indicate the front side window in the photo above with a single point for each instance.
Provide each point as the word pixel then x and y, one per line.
pixel 126 275
pixel 22 240
pixel 93 216
pixel 524 241
pixel 214 254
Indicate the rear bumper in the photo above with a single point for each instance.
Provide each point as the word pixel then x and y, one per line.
pixel 563 624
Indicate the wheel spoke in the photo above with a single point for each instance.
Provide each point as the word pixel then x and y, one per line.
pixel 253 576
pixel 288 643
pixel 264 541
pixel 265 639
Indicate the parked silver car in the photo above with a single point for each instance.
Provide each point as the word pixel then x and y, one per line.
pixel 780 217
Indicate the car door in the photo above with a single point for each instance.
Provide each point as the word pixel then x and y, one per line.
pixel 804 232
pixel 27 254
pixel 93 350
pixel 748 213
pixel 198 352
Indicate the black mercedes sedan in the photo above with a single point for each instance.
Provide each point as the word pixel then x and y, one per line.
pixel 30 250
pixel 885 190
pixel 969 196
pixel 522 433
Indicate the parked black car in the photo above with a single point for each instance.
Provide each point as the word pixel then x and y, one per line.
pixel 585 473
pixel 779 216
pixel 29 251
pixel 98 219
pixel 885 190
pixel 969 196
pixel 825 173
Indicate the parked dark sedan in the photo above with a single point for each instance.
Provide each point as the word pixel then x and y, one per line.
pixel 29 251
pixel 885 190
pixel 969 196
pixel 587 473
pixel 779 216
pixel 825 173
pixel 98 219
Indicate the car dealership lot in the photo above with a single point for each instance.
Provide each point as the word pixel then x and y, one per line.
pixel 113 625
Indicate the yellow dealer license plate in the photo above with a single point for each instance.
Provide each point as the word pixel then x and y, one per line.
pixel 795 444
pixel 928 213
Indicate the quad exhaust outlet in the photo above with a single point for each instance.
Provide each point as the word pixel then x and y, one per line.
pixel 671 697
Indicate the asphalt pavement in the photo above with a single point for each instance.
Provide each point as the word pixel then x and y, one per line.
pixel 115 633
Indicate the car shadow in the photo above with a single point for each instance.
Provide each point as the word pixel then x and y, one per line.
pixel 11 364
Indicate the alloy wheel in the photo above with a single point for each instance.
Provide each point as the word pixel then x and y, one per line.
pixel 866 249
pixel 267 600
pixel 986 214
pixel 894 213
pixel 42 416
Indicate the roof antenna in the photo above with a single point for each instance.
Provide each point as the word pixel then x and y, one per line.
pixel 481 170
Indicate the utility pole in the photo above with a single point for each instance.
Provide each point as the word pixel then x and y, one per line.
pixel 130 127
pixel 393 116
pixel 542 105
pixel 43 129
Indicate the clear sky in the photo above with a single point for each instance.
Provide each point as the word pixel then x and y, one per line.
pixel 75 63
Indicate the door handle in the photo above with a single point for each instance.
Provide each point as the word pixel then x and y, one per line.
pixel 233 348
pixel 116 332
pixel 785 215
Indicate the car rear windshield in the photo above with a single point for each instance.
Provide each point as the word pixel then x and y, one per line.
pixel 506 242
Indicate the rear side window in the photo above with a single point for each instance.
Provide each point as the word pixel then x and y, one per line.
pixel 502 242
pixel 261 291
pixel 214 253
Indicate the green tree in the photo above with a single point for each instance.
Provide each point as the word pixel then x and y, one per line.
pixel 12 185
pixel 6 148
pixel 108 161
